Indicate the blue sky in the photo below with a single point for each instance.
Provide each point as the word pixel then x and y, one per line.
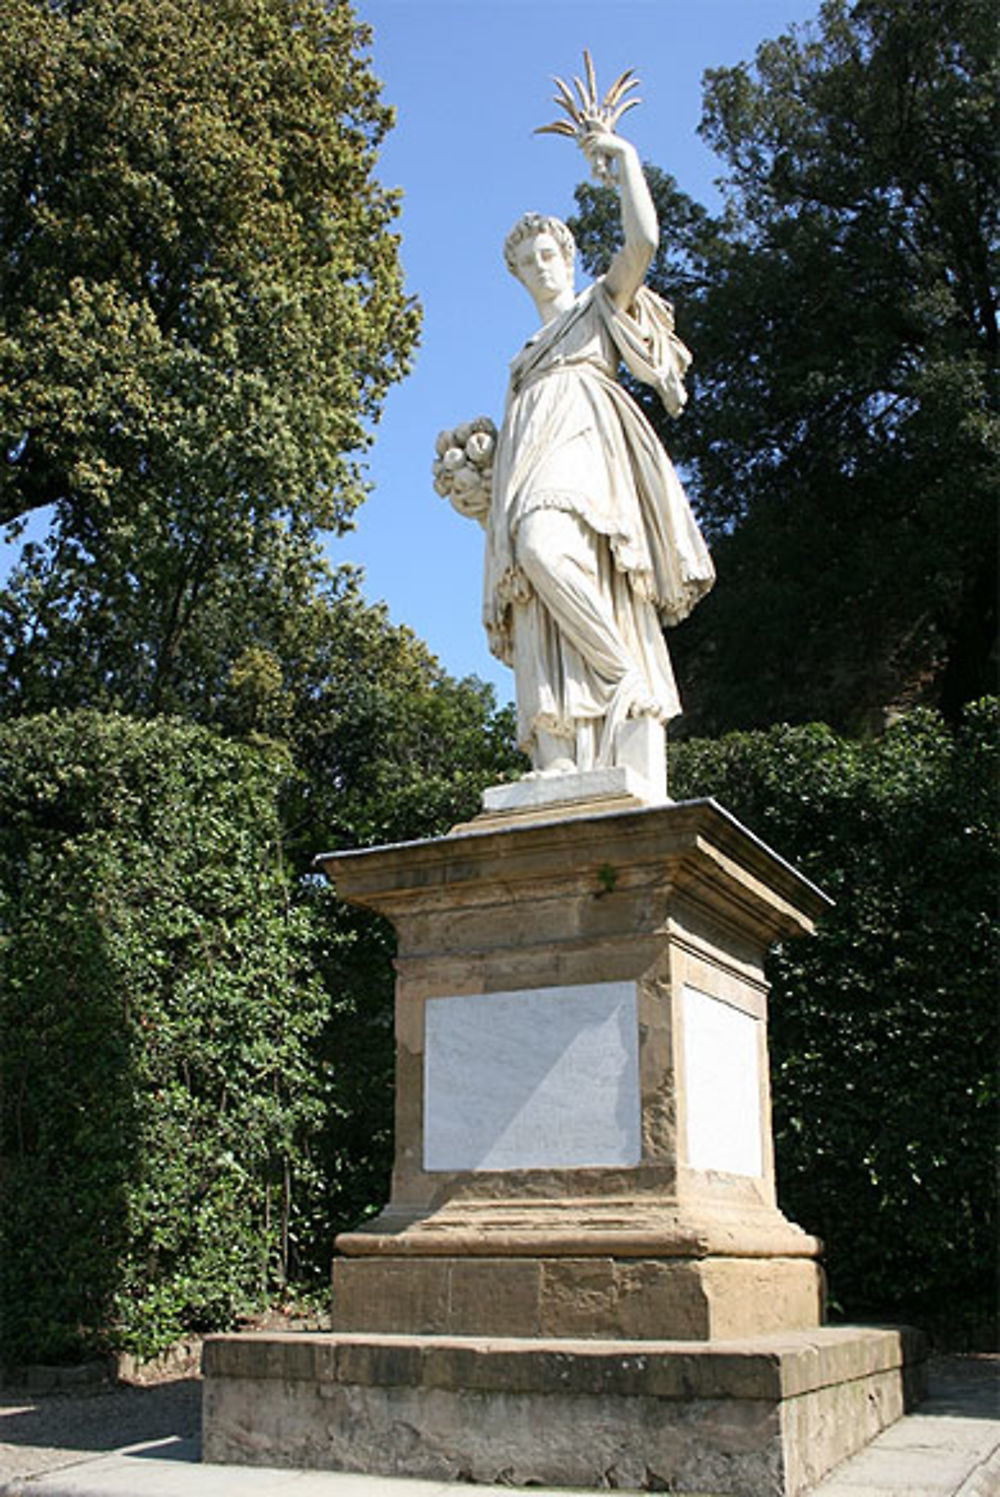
pixel 470 80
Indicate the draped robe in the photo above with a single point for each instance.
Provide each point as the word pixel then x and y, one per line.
pixel 574 441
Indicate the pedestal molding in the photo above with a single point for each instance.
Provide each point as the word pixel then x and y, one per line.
pixel 582 1227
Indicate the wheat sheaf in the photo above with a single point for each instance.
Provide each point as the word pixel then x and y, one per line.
pixel 585 108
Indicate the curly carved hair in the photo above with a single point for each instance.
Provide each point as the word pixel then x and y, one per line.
pixel 528 226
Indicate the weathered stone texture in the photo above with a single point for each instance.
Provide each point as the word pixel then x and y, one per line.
pixel 631 1298
pixel 758 1418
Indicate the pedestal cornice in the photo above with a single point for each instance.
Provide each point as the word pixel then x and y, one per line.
pixel 694 847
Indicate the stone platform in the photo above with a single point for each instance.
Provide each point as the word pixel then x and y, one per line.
pixel 763 1417
pixel 582 1277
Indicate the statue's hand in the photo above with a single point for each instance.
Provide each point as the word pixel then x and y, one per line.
pixel 603 149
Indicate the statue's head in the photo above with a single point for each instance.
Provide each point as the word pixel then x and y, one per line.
pixel 539 226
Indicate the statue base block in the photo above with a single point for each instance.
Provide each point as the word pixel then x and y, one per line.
pixel 761 1417
pixel 580 794
pixel 638 779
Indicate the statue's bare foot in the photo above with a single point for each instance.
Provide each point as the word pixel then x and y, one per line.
pixel 548 771
pixel 558 766
pixel 645 706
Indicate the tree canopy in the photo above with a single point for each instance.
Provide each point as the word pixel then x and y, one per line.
pixel 842 443
pixel 201 308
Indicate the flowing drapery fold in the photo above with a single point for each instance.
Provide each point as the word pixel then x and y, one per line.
pixel 576 604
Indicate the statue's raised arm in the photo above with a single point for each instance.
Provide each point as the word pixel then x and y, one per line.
pixel 591 546
pixel 640 230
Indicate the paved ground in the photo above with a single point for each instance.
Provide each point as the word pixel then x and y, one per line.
pixel 143 1442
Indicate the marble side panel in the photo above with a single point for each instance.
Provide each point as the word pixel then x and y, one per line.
pixel 535 1079
pixel 722 1090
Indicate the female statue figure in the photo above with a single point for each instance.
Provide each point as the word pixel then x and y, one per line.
pixel 591 544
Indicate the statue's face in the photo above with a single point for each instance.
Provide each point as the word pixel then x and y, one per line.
pixel 541 267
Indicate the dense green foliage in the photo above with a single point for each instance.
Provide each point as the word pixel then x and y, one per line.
pixel 389 745
pixel 843 440
pixel 196 1052
pixel 884 1026
pixel 390 749
pixel 158 1016
pixel 200 312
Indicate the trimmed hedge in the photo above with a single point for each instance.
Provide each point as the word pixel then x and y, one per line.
pixel 157 1010
pixel 196 1050
pixel 884 1026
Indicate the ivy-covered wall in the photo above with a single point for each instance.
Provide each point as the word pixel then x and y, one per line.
pixel 884 1026
pixel 157 1009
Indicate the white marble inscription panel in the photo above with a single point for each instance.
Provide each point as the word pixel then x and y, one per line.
pixel 542 1078
pixel 722 1086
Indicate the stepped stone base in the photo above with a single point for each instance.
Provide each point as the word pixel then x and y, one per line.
pixel 760 1417
pixel 645 1299
pixel 582 1277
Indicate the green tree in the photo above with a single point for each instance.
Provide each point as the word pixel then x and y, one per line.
pixel 200 312
pixel 390 749
pixel 842 444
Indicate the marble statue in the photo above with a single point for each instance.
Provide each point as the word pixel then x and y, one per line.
pixel 591 545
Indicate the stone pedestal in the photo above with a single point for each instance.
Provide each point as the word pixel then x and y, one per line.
pixel 582 1276
pixel 583 1140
